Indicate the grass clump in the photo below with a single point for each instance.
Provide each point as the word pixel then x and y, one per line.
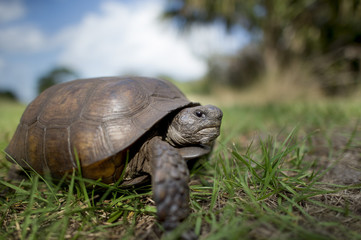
pixel 271 191
pixel 41 210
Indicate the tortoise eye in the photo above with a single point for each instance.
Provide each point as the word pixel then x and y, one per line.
pixel 199 114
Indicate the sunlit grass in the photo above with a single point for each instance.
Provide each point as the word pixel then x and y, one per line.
pixel 264 180
pixel 33 210
pixel 10 113
pixel 263 192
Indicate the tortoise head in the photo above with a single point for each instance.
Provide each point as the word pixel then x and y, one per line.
pixel 195 125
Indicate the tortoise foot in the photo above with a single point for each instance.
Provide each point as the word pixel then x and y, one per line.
pixel 170 184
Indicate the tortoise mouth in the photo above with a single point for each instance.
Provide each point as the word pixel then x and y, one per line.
pixel 210 131
pixel 209 134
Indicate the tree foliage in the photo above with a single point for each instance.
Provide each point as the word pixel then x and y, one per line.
pixel 8 94
pixel 55 76
pixel 325 33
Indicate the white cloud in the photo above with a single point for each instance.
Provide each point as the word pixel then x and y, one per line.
pixel 129 39
pixel 21 39
pixel 11 10
pixel 122 38
pixel 17 37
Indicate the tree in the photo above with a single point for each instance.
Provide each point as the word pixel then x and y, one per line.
pixel 8 94
pixel 286 30
pixel 55 76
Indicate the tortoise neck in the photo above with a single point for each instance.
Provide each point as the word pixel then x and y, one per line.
pixel 175 138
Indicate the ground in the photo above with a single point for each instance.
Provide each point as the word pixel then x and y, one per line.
pixel 278 171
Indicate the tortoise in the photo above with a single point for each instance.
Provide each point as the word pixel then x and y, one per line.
pixel 145 127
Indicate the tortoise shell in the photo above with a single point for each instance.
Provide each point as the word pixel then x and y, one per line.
pixel 94 119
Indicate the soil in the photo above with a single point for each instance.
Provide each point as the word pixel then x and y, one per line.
pixel 340 158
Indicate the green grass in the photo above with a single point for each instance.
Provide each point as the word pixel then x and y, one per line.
pixel 276 173
pixel 10 113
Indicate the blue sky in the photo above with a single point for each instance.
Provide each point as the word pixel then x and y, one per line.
pixel 100 38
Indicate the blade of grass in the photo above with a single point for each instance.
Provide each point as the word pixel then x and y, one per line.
pixel 28 211
pixel 80 179
pixel 67 209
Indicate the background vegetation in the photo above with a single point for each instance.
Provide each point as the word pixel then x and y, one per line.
pixel 318 38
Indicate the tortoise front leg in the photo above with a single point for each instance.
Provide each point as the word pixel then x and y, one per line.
pixel 170 177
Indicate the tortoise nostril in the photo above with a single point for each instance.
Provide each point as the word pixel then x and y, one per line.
pixel 215 112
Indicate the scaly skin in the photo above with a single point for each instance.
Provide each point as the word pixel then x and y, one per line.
pixel 170 178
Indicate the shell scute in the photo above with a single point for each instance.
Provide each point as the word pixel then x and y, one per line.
pixel 57 151
pixel 64 105
pixel 116 100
